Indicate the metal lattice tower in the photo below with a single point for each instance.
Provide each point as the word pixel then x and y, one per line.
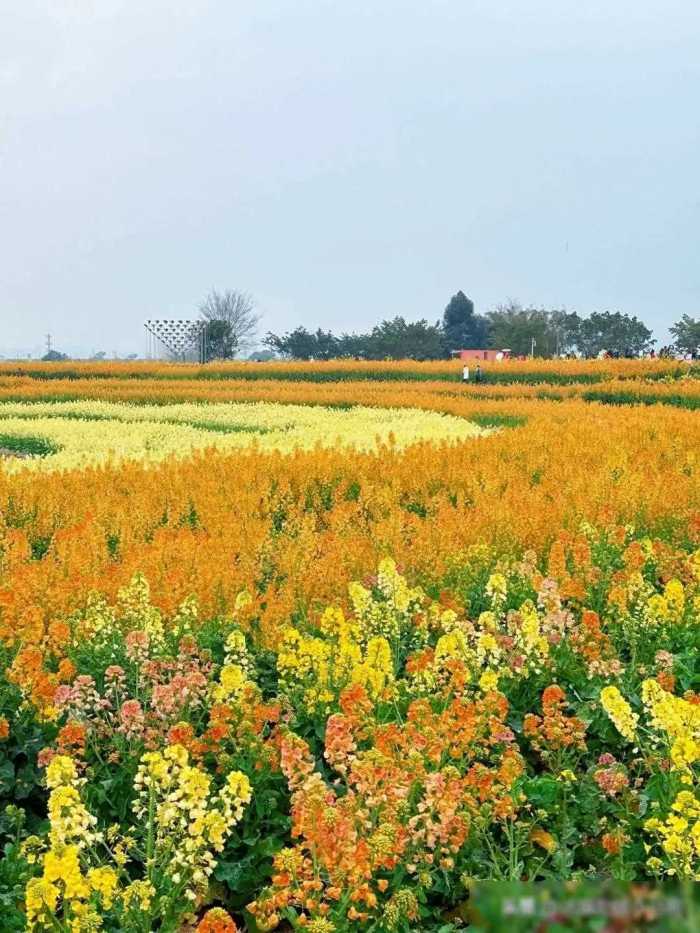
pixel 178 336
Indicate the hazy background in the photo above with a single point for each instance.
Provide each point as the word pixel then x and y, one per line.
pixel 344 161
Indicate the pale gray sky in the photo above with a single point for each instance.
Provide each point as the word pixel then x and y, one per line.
pixel 344 161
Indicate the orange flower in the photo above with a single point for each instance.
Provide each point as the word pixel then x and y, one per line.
pixel 613 842
pixel 71 739
pixel 543 839
pixel 181 733
pixel 217 920
pixel 66 671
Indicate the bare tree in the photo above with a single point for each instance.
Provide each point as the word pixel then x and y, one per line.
pixel 231 321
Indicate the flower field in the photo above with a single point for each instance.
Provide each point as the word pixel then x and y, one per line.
pixel 322 647
pixel 81 434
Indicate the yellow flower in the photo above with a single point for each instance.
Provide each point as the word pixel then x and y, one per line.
pixel 377 669
pixel 496 585
pixel 41 897
pixel 675 597
pixel 679 837
pixel 678 718
pixel 139 894
pixel 243 599
pixel 104 882
pixel 64 865
pixel 61 770
pixel 488 681
pixel 619 711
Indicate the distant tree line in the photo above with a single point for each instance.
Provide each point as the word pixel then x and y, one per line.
pixel 510 326
pixel 230 321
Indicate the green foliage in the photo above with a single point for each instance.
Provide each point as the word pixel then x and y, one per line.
pixel 614 332
pixel 301 344
pixel 391 339
pixel 686 333
pixel 514 327
pixel 220 340
pixel 27 445
pixel 496 420
pixel 462 329
pixel 621 397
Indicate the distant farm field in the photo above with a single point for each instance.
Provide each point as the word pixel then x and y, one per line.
pixel 323 646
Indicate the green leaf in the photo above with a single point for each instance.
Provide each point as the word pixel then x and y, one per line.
pixel 7 777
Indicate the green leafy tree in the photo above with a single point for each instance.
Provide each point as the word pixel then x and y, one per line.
pixel 614 332
pixel 297 344
pixel 53 356
pixel 565 328
pixel 220 341
pixel 301 344
pixel 326 345
pixel 686 333
pixel 462 328
pixel 399 339
pixel 394 339
pixel 354 346
pixel 514 328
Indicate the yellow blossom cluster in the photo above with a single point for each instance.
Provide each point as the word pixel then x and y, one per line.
pixel 679 838
pixel 319 666
pixel 184 825
pixel 190 823
pixel 678 719
pixel 64 886
pixel 620 712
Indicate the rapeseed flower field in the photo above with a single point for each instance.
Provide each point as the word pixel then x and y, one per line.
pixel 324 647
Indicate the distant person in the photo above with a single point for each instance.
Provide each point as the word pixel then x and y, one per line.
pixel 478 374
pixel 465 374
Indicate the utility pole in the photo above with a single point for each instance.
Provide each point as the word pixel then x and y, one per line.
pixel 48 343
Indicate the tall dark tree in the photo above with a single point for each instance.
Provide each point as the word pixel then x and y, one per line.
pixel 461 327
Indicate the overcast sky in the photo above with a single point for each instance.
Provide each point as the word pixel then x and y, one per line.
pixel 343 161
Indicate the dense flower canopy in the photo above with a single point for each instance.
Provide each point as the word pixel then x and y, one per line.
pixel 325 676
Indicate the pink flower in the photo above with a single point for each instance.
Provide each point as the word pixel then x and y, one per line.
pixel 63 695
pixel 137 646
pixel 45 756
pixel 131 716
